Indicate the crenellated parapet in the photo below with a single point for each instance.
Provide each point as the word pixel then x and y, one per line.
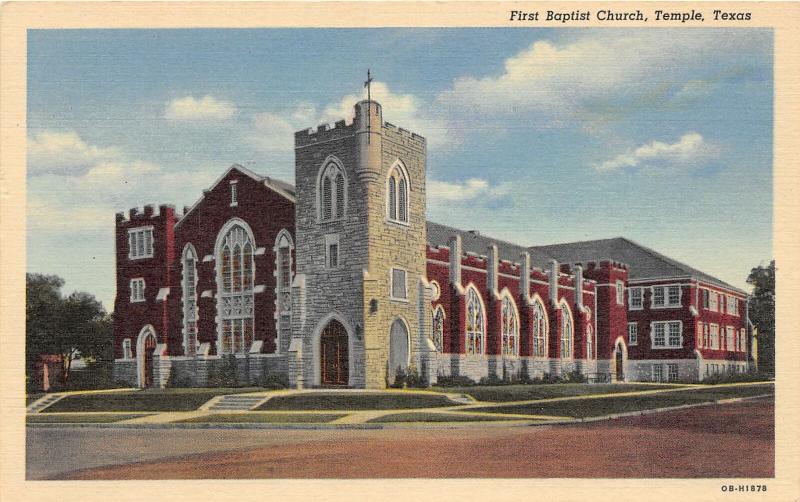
pixel 322 133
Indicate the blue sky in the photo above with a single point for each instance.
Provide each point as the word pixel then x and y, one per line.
pixel 535 136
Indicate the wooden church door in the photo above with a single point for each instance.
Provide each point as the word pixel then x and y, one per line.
pixel 333 351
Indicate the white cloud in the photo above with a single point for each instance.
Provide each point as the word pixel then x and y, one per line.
pixel 471 189
pixel 103 182
pixel 271 132
pixel 594 77
pixel 206 108
pixel 63 152
pixel 690 150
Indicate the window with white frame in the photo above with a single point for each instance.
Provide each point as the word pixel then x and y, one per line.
pixel 189 285
pixel 332 251
pixel 712 301
pixel 633 333
pixel 234 194
pixel 729 339
pixel 397 190
pixel 742 340
pixel 127 353
pixel 475 323
pixel 510 327
pixel 539 330
pixel 620 293
pixel 438 328
pixel 140 243
pixel 398 285
pixel 137 289
pixel 332 192
pixel 235 291
pixel 732 305
pixel 704 294
pixel 566 332
pixel 706 336
pixel 589 342
pixel 666 297
pixel 283 270
pixel 635 298
pixel 666 334
pixel 672 372
pixel 714 336
pixel 658 373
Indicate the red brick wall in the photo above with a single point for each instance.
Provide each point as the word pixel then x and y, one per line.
pixel 130 318
pixel 267 213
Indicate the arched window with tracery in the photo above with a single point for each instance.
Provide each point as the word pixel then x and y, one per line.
pixel 539 330
pixel 283 271
pixel 476 328
pixel 510 327
pixel 235 290
pixel 397 189
pixel 438 328
pixel 332 192
pixel 189 286
pixel 566 332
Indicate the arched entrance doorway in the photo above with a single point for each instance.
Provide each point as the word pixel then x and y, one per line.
pixel 145 355
pixel 398 349
pixel 334 363
pixel 620 355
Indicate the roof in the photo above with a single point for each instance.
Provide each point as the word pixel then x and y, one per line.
pixel 474 242
pixel 281 187
pixel 644 263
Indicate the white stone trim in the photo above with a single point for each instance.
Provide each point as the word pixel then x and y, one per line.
pixel 146 331
pixel 132 286
pixel 162 294
pixel 148 253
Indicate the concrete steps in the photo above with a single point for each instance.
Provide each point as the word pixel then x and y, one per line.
pixel 234 402
pixel 43 402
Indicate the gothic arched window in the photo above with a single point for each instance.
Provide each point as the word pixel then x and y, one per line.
pixel 566 332
pixel 189 285
pixel 332 192
pixel 510 327
pixel 283 272
pixel 397 190
pixel 438 328
pixel 539 330
pixel 235 290
pixel 475 324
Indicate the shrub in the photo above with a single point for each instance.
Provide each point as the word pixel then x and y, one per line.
pixel 454 381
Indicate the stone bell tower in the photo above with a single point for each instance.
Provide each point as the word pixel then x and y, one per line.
pixel 360 300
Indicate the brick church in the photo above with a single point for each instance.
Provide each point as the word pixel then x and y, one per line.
pixel 340 280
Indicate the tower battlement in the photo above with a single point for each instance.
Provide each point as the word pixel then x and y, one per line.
pixel 142 216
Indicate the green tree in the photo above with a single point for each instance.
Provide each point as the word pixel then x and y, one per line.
pixel 762 314
pixel 71 326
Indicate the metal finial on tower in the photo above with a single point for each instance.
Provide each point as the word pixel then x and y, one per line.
pixel 368 85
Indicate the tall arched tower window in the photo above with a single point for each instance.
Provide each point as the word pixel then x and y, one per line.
pixel 235 249
pixel 510 327
pixel 397 193
pixel 332 191
pixel 566 332
pixel 539 330
pixel 475 323
pixel 189 284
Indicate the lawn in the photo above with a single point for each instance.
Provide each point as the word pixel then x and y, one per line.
pixel 503 393
pixel 605 406
pixel 436 417
pixel 186 399
pixel 356 401
pixel 264 418
pixel 81 418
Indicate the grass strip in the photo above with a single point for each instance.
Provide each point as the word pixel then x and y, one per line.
pixel 80 418
pixel 348 401
pixel 503 393
pixel 264 418
pixel 186 399
pixel 611 405
pixel 437 417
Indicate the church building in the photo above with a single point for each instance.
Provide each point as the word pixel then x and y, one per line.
pixel 340 280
